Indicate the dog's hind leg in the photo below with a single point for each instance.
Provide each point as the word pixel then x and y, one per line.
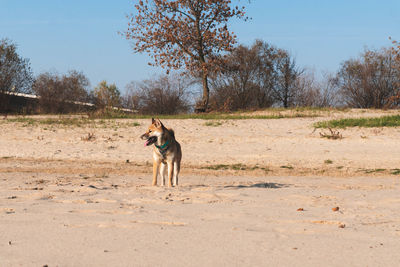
pixel 176 172
pixel 163 171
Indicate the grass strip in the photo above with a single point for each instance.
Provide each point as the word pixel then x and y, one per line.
pixel 385 121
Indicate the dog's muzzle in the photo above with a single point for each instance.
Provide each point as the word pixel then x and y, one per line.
pixel 149 140
pixel 144 136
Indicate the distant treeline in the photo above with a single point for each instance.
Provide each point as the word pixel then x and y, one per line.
pixel 250 77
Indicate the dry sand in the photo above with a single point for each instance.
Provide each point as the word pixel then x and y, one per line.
pixel 65 201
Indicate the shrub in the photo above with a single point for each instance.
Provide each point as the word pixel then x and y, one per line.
pixel 59 93
pixel 166 94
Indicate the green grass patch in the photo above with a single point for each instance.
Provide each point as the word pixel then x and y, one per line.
pixel 375 170
pixel 235 167
pixel 51 121
pixel 108 116
pixel 385 121
pixel 48 123
pixel 217 167
pixel 213 123
pixel 302 109
pixel 239 167
pixel 24 121
pixel 395 171
pixel 287 167
pixel 265 169
pixel 105 121
pixel 328 161
pixel 368 171
pixel 273 113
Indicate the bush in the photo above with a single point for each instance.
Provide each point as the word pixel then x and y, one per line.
pixel 59 93
pixel 166 94
pixel 312 93
pixel 371 80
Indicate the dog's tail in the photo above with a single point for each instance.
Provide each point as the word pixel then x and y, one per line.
pixel 172 133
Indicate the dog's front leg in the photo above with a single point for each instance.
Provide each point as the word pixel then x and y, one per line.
pixel 170 173
pixel 162 173
pixel 156 165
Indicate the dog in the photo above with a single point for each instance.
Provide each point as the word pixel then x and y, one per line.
pixel 166 152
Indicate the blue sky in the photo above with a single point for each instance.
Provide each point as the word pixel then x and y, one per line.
pixel 59 35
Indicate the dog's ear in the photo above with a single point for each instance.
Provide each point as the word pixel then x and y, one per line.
pixel 158 123
pixel 153 121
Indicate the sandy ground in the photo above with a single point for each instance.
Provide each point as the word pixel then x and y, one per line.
pixel 66 201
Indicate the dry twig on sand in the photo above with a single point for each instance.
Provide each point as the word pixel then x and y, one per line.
pixel 332 135
pixel 88 137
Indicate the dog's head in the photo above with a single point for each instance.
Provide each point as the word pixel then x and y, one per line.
pixel 155 131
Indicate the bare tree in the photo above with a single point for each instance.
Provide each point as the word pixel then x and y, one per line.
pixel 184 33
pixel 15 72
pixel 246 79
pixel 263 75
pixel 234 88
pixel 371 80
pixel 59 92
pixel 287 72
pixel 268 75
pixel 163 95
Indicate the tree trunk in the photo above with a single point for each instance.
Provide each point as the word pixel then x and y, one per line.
pixel 203 104
pixel 286 98
pixel 285 103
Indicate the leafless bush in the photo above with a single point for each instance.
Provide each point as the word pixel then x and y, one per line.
pixel 371 80
pixel 131 98
pixel 59 92
pixel 329 92
pixel 310 92
pixel 168 94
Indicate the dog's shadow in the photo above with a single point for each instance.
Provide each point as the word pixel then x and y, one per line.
pixel 236 186
pixel 258 185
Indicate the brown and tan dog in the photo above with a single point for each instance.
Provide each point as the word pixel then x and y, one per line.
pixel 166 152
